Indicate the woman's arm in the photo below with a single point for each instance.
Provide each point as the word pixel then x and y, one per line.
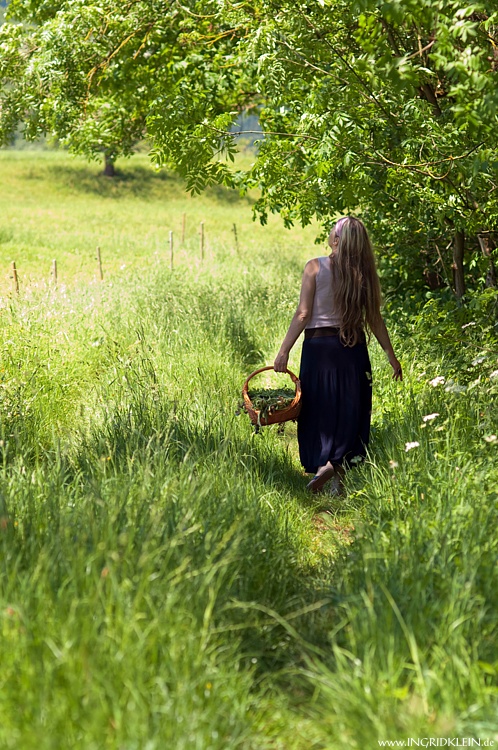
pixel 379 330
pixel 301 316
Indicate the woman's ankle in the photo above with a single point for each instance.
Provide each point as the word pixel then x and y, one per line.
pixel 326 467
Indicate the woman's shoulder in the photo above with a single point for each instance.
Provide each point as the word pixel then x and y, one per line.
pixel 312 266
pixel 314 263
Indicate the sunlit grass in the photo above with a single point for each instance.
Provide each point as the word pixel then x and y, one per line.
pixel 165 580
pixel 54 206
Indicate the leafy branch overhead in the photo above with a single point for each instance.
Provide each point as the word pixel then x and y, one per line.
pixel 385 107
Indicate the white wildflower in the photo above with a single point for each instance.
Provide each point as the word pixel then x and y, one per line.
pixel 430 417
pixel 490 438
pixel 478 360
pixel 466 325
pixel 437 381
pixel 409 446
pixel 393 464
pixel 493 374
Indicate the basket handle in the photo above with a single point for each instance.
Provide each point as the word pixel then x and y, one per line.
pixel 293 377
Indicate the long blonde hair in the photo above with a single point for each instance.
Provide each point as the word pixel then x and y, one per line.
pixel 356 283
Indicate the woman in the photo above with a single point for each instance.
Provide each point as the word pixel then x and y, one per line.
pixel 340 300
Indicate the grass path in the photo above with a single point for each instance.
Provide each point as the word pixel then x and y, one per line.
pixel 165 580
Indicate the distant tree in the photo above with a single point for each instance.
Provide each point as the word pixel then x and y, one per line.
pixel 47 82
pixel 376 106
pixel 93 74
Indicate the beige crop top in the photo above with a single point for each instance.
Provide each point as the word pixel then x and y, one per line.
pixel 323 313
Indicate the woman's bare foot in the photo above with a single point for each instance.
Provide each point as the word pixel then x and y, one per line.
pixel 322 476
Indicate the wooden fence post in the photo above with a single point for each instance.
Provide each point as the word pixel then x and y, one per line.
pixel 53 272
pixel 15 277
pixel 171 250
pixel 236 238
pixel 183 229
pixel 99 259
pixel 202 240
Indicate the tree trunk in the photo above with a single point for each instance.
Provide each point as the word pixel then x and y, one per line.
pixel 487 244
pixel 109 170
pixel 427 92
pixel 457 266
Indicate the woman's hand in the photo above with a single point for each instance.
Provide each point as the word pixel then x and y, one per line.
pixel 280 364
pixel 379 330
pixel 397 370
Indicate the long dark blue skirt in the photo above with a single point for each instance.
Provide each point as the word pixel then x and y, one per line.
pixel 334 423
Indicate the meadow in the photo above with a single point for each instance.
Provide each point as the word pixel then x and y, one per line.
pixel 165 579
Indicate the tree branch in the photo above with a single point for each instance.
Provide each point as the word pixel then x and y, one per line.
pixel 195 15
pixel 430 163
pixel 103 63
pixel 390 36
pixel 421 50
pixel 261 132
pixel 426 92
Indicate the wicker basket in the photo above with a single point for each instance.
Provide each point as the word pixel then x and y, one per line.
pixel 282 415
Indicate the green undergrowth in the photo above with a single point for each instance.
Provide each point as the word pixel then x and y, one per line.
pixel 166 581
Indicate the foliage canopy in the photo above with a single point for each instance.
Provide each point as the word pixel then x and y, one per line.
pixel 388 108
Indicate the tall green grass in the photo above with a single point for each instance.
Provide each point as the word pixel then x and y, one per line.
pixel 165 579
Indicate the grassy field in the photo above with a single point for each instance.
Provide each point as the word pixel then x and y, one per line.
pixel 165 580
pixel 53 206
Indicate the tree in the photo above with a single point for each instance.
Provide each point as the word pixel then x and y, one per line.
pixel 90 74
pixel 53 81
pixel 385 108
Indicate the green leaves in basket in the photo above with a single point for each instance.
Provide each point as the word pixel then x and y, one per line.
pixel 269 400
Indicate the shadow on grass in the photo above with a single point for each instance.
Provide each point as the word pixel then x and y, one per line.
pixel 226 195
pixel 223 480
pixel 135 181
pixel 243 343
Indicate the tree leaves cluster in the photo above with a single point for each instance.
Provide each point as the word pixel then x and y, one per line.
pixel 384 108
pixel 101 76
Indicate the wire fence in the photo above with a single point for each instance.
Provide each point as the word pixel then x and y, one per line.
pixel 101 272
